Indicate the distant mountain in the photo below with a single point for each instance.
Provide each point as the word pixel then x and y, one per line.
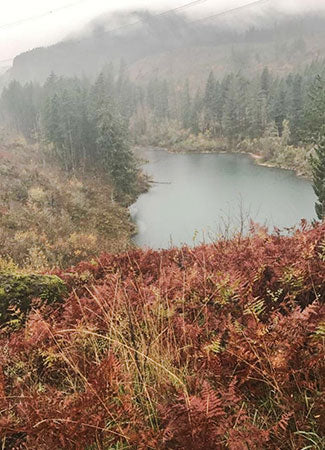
pixel 174 46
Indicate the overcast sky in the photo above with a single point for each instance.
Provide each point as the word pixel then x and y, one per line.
pixel 26 24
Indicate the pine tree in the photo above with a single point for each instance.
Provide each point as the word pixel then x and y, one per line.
pixel 296 110
pixel 314 111
pixel 51 122
pixel 196 110
pixel 186 106
pixel 279 108
pixel 265 82
pixel 230 116
pixel 210 104
pixel 258 111
pixel 318 169
pixel 114 153
pixel 21 105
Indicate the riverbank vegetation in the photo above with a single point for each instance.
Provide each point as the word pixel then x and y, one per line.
pixel 220 346
pixel 279 119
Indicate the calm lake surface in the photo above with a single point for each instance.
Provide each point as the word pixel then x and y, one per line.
pixel 197 196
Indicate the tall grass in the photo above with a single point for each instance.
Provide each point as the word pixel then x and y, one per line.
pixel 216 347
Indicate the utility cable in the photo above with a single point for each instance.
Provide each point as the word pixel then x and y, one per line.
pixel 40 16
pixel 13 24
pixel 179 8
pixel 227 11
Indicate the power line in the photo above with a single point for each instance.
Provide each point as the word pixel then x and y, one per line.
pixel 6 60
pixel 40 16
pixel 178 8
pixel 181 7
pixel 219 14
pixel 71 5
pixel 227 11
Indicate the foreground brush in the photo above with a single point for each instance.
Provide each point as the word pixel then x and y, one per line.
pixel 216 347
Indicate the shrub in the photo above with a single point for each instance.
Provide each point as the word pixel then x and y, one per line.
pixel 18 290
pixel 276 151
pixel 37 195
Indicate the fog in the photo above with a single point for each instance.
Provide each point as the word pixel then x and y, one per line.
pixel 26 25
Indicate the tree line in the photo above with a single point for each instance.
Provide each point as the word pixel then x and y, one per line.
pixel 85 124
pixel 234 107
pixel 238 108
pixel 89 123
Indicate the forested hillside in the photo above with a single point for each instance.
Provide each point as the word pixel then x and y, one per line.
pixel 175 46
pixel 80 122
pixel 67 173
pixel 49 217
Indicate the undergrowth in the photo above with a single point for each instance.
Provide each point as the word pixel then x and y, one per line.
pixel 49 218
pixel 271 149
pixel 216 347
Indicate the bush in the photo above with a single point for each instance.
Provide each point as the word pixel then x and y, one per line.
pixel 276 151
pixel 18 290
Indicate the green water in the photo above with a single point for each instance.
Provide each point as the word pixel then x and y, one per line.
pixel 203 195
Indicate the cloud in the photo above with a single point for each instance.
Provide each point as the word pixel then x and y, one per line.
pixel 46 30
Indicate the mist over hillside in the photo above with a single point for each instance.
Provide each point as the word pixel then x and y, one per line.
pixel 178 46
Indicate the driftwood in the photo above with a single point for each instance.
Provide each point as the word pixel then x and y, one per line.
pixel 160 182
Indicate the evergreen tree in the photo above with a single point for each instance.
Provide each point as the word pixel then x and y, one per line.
pixel 186 106
pixel 318 168
pixel 314 111
pixel 279 108
pixel 21 106
pixel 258 116
pixel 114 152
pixel 265 82
pixel 296 109
pixel 210 104
pixel 196 110
pixel 230 117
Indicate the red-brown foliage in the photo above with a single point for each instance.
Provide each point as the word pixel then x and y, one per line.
pixel 220 346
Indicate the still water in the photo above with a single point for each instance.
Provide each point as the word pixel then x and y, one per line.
pixel 198 196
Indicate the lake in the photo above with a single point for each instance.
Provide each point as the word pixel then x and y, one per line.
pixel 198 197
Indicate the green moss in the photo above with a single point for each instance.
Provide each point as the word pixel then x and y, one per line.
pixel 18 290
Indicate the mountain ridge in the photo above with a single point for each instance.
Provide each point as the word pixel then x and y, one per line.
pixel 174 45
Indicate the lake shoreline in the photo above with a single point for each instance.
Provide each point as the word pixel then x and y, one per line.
pixel 258 159
pixel 212 183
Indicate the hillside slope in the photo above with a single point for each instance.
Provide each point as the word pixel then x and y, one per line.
pixel 175 47
pixel 217 347
pixel 51 218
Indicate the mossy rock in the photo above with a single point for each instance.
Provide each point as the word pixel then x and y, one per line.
pixel 18 290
